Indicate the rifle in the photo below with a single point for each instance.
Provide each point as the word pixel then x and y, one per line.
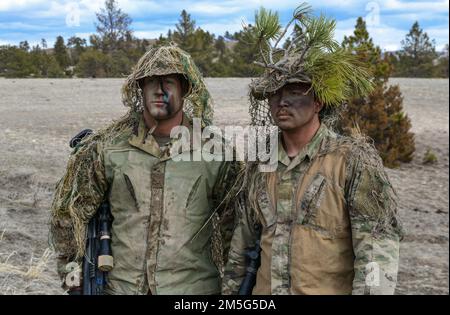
pixel 253 256
pixel 98 259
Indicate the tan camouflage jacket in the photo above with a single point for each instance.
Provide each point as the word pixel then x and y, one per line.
pixel 328 220
pixel 161 236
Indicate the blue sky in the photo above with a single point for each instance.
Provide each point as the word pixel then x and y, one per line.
pixel 388 20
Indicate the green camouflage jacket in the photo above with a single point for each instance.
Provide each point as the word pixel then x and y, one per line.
pixel 328 221
pixel 161 233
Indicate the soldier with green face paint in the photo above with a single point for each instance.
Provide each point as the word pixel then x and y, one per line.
pixel 170 217
pixel 327 214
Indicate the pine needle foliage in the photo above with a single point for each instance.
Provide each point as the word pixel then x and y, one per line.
pixel 313 57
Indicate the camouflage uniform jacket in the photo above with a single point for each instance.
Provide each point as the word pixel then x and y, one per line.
pixel 159 205
pixel 328 222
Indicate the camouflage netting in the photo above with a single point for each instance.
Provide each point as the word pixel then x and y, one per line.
pixel 197 103
pixel 222 218
pixel 372 197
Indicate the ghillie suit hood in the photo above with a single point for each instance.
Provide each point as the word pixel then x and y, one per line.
pixel 311 56
pixel 167 60
pixel 159 61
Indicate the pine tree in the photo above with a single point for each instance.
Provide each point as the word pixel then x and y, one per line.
pixel 244 54
pixel 46 64
pixel 184 30
pixel 113 25
pixel 94 64
pixel 16 62
pixel 228 35
pixel 44 43
pixel 24 46
pixel 220 46
pixel 417 55
pixel 442 66
pixel 77 46
pixel 161 41
pixel 200 45
pixel 60 52
pixel 381 115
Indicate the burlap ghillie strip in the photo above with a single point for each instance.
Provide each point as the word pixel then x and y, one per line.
pixel 230 184
pixel 82 188
pixel 369 193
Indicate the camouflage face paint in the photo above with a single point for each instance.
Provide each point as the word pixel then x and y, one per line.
pixel 292 107
pixel 166 95
pixel 163 96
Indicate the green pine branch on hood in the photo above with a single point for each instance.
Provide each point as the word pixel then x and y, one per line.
pixel 312 56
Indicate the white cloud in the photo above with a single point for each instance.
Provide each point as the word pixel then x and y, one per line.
pixel 20 26
pixel 389 38
pixel 440 35
pixel 220 28
pixel 91 5
pixel 213 9
pixel 5 42
pixel 411 17
pixel 155 33
pixel 417 6
pixel 14 5
pixel 292 4
pixel 230 6
pixel 396 16
pixel 53 9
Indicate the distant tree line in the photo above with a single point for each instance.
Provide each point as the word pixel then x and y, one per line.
pixel 113 51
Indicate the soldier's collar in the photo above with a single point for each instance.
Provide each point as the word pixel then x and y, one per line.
pixel 147 142
pixel 309 151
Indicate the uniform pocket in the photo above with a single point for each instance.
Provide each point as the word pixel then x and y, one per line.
pixel 321 208
pixel 193 192
pixel 311 200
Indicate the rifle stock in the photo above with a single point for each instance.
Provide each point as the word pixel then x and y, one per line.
pixel 254 261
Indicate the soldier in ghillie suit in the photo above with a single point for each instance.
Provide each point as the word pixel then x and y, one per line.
pixel 169 216
pixel 327 215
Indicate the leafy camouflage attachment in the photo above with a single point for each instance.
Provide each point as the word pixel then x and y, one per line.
pixel 197 103
pixel 312 57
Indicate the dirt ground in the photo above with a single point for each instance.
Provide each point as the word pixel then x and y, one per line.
pixel 38 118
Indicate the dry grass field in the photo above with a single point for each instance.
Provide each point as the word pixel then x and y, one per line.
pixel 38 118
